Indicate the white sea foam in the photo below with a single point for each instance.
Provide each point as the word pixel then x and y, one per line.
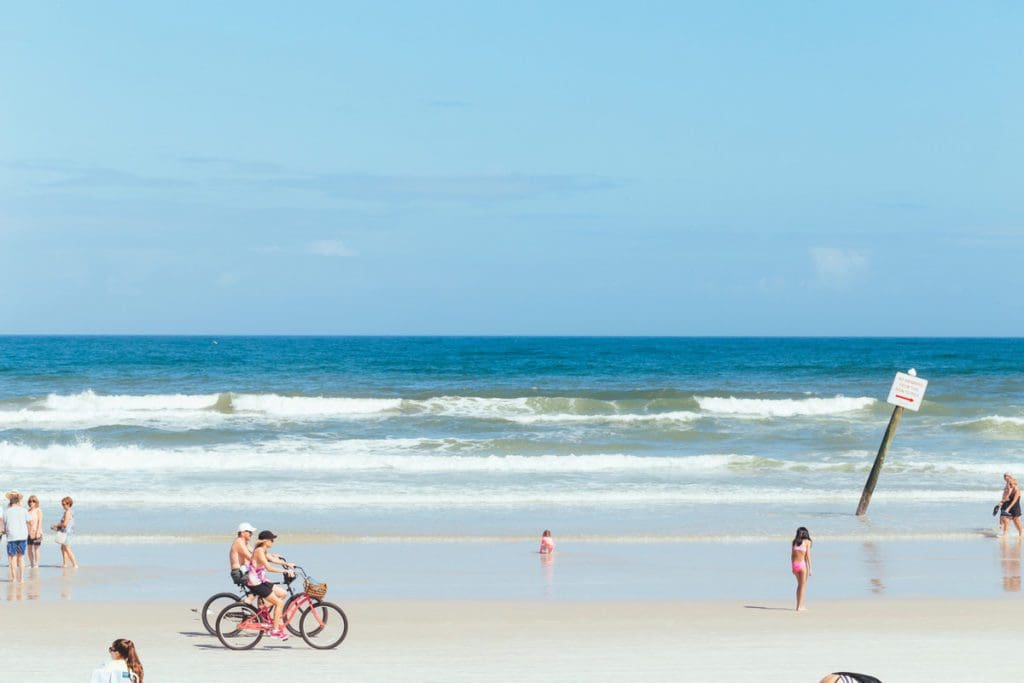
pixel 88 402
pixel 325 497
pixel 311 406
pixel 1008 426
pixel 199 411
pixel 178 411
pixel 785 407
pixel 535 410
pixel 351 455
pixel 673 416
pixel 438 456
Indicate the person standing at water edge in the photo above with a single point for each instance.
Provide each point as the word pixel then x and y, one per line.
pixel 16 528
pixel 63 529
pixel 35 531
pixel 1010 505
pixel 800 557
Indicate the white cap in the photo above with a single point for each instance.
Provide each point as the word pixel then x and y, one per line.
pixel 245 526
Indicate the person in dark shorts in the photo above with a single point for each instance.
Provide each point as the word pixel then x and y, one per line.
pixel 1010 505
pixel 35 531
pixel 16 527
pixel 241 552
pixel 260 565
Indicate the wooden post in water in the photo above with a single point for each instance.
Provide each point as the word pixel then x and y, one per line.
pixel 876 469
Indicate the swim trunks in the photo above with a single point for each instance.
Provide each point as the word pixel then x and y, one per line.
pixel 15 548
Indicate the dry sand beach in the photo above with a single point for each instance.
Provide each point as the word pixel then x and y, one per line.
pixel 900 610
pixel 411 640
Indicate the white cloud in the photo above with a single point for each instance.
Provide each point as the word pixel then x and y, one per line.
pixel 330 248
pixel 837 267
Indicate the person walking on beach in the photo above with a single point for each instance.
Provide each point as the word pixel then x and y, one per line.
pixel 63 529
pixel 16 527
pixel 124 664
pixel 547 543
pixel 800 557
pixel 35 531
pixel 1010 505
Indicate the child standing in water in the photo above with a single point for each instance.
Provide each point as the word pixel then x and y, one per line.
pixel 547 543
pixel 800 556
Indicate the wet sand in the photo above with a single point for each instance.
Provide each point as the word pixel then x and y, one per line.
pixel 955 568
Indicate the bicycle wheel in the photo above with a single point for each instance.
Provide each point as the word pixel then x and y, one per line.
pixel 293 624
pixel 213 607
pixel 239 626
pixel 314 623
pixel 323 626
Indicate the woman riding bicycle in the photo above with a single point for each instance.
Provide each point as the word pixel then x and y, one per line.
pixel 260 564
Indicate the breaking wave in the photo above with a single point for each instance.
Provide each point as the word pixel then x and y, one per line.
pixel 200 411
pixel 783 407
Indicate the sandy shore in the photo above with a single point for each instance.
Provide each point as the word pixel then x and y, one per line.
pixel 896 640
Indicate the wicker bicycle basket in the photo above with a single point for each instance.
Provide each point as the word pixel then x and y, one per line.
pixel 314 590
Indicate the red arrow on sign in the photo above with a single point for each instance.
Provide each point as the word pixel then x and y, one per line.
pixel 905 398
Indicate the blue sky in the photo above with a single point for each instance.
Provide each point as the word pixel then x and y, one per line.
pixel 534 168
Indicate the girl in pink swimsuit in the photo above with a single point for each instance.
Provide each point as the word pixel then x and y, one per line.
pixel 800 556
pixel 547 543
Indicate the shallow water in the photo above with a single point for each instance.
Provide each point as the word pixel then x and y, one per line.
pixel 755 572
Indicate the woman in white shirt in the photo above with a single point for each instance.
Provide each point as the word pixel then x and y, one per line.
pixel 123 660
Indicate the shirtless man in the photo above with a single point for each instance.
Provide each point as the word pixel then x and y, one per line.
pixel 241 553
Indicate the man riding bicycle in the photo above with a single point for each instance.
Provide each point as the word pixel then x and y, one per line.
pixel 241 553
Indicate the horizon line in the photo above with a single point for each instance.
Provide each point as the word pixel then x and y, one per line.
pixel 196 335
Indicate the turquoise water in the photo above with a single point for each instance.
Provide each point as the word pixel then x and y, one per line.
pixel 617 440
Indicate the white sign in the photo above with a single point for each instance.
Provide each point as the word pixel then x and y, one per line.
pixel 907 391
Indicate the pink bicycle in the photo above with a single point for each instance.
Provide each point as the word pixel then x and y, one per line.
pixel 323 625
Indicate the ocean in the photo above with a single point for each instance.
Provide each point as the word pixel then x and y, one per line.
pixel 615 440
